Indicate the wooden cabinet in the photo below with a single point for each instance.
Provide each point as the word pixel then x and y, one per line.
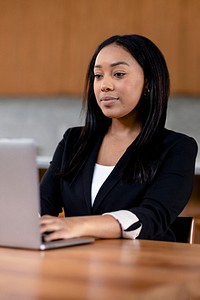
pixel 46 45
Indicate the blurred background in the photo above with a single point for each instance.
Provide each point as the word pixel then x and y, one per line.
pixel 45 47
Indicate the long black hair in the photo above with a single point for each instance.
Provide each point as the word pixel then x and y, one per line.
pixel 152 107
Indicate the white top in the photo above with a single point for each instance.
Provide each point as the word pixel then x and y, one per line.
pixel 99 176
pixel 124 217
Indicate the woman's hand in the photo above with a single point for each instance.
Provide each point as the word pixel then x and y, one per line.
pixel 64 228
pixel 61 228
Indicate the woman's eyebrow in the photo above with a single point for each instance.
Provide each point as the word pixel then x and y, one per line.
pixel 114 64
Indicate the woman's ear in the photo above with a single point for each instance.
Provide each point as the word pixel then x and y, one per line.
pixel 146 89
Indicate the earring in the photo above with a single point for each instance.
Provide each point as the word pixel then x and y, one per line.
pixel 146 92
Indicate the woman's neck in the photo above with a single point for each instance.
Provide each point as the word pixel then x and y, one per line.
pixel 121 130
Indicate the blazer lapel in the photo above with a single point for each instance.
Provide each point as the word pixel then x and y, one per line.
pixel 112 179
pixel 109 183
pixel 88 175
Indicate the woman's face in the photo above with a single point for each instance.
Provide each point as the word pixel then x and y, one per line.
pixel 118 82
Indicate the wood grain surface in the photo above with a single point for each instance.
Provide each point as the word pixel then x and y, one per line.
pixel 107 269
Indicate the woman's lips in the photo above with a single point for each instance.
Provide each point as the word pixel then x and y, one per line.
pixel 109 99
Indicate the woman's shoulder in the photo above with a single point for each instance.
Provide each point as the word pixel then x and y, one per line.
pixel 73 132
pixel 172 138
pixel 171 135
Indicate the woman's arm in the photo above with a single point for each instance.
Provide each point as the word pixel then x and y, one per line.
pixel 50 197
pixel 171 188
pixel 104 226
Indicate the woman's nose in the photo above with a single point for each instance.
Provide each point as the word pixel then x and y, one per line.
pixel 107 84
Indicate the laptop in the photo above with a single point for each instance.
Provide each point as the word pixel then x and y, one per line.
pixel 20 199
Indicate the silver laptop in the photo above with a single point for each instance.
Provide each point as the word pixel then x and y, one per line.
pixel 19 198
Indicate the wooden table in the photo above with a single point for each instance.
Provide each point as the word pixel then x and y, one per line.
pixel 107 269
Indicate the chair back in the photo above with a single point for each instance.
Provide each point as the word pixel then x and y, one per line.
pixel 183 228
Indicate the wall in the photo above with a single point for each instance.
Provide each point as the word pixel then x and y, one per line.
pixel 45 119
pixel 45 45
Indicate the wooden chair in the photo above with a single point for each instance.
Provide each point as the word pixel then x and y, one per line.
pixel 183 228
pixel 187 230
pixel 196 231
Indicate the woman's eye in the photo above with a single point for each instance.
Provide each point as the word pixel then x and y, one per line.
pixel 98 76
pixel 119 74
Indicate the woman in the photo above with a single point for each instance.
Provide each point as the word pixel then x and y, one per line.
pixel 122 174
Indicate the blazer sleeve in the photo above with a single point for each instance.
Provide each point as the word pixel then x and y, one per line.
pixel 170 190
pixel 50 193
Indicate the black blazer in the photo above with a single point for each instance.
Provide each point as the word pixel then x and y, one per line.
pixel 156 204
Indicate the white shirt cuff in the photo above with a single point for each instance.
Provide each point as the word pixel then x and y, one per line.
pixel 126 219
